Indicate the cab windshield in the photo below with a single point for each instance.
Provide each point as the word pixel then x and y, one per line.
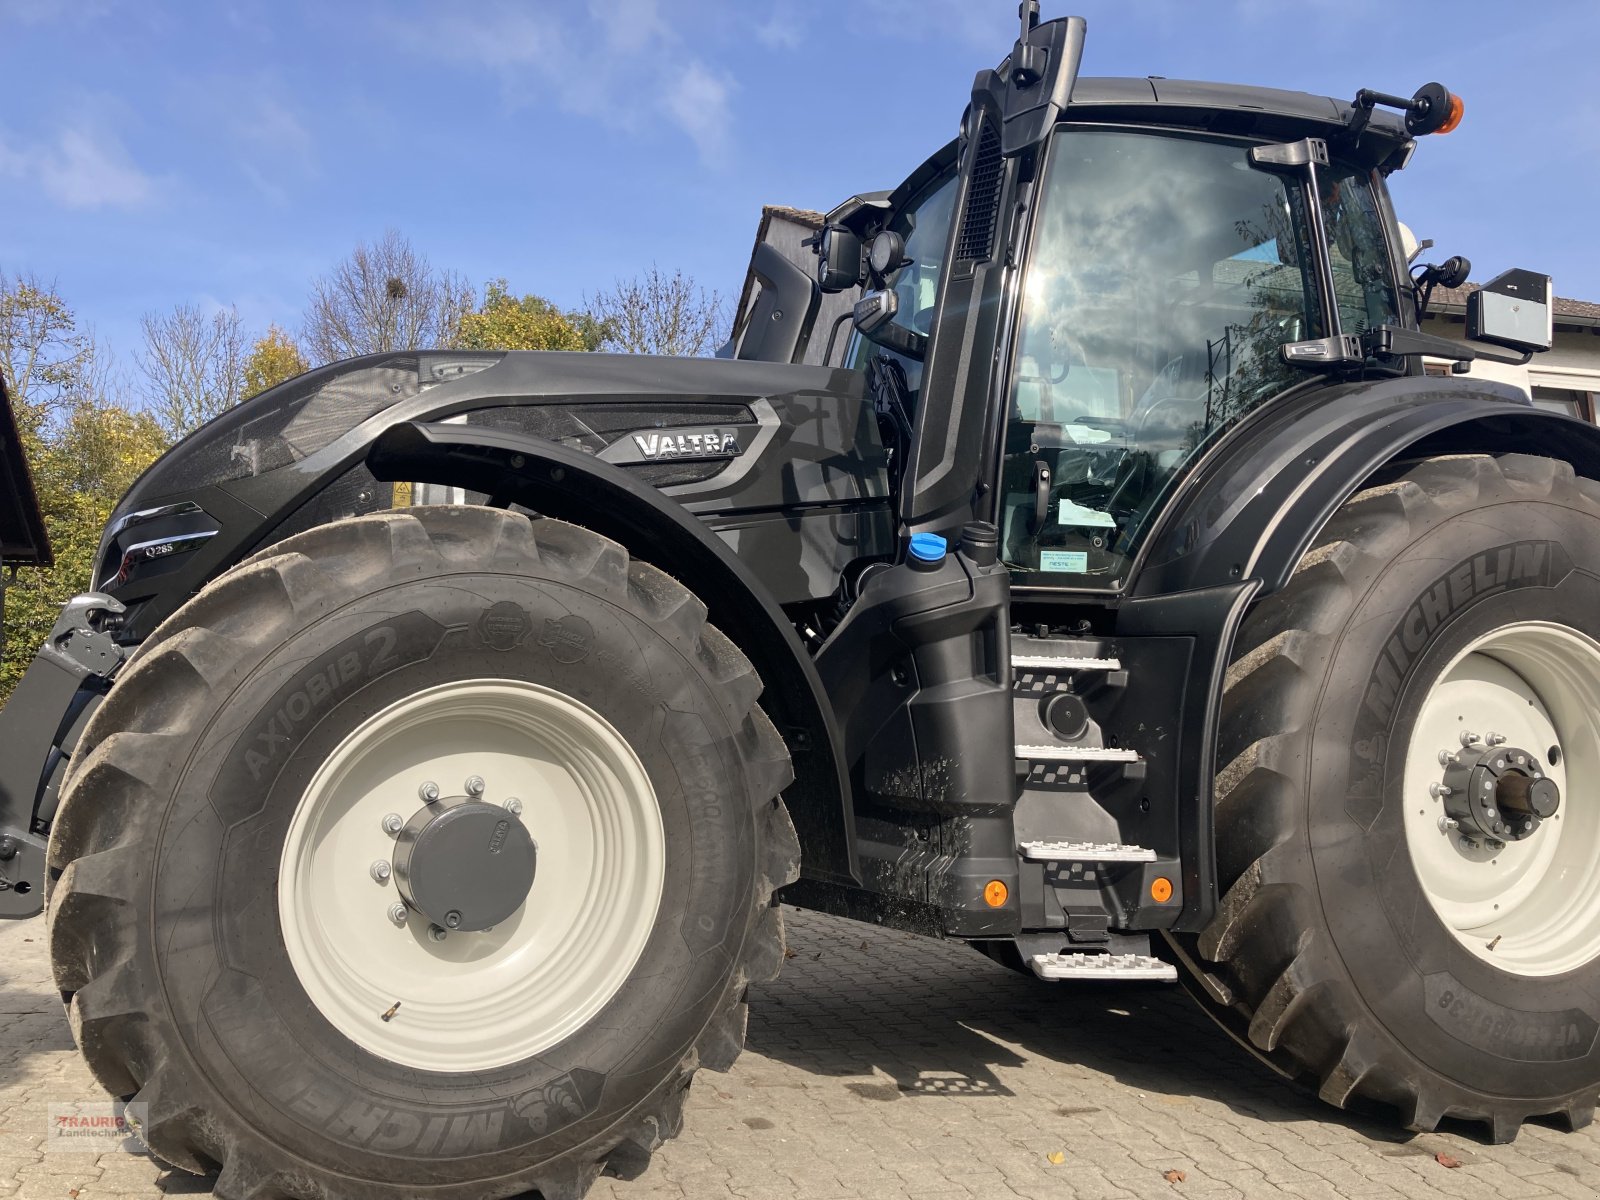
pixel 1166 271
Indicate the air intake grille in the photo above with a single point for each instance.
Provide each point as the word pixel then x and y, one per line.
pixel 976 241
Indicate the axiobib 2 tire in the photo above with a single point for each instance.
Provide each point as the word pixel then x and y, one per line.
pixel 217 978
pixel 1364 944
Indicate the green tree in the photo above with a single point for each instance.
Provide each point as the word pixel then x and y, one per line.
pixel 506 322
pixel 274 358
pixel 80 472
pixel 84 450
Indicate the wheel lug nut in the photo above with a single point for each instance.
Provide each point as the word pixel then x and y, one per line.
pixel 1495 739
pixel 475 785
pixel 1438 789
pixel 436 933
pixel 393 824
pixel 397 913
pixel 1446 824
pixel 429 792
pixel 514 806
pixel 379 871
pixel 1446 757
pixel 1468 737
pixel 453 919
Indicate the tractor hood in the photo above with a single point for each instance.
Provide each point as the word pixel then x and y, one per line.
pixel 736 442
pixel 323 415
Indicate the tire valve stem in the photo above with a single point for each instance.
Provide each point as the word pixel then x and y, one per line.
pixel 388 1013
pixel 1495 941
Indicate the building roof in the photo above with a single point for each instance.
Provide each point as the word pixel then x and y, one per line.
pixel 800 216
pixel 1567 310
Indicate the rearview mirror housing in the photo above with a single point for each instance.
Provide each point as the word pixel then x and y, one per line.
pixel 1514 309
pixel 839 259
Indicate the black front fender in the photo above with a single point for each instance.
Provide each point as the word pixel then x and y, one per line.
pixel 577 487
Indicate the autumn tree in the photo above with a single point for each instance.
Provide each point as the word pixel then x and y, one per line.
pixel 84 448
pixel 47 359
pixel 193 365
pixel 506 322
pixel 657 313
pixel 384 296
pixel 274 358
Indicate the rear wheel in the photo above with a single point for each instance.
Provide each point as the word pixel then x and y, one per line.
pixel 429 854
pixel 1408 821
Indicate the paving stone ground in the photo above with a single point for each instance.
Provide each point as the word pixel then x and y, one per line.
pixel 888 1067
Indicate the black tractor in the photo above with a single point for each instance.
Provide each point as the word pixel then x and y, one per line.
pixel 1148 599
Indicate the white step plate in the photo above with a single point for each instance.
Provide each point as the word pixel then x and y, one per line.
pixel 1085 754
pixel 1051 662
pixel 1103 966
pixel 1085 852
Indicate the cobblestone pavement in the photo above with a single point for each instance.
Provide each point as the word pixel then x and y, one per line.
pixel 884 1066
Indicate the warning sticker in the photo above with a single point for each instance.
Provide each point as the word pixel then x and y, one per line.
pixel 1076 561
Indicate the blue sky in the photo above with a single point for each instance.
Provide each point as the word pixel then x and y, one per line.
pixel 229 152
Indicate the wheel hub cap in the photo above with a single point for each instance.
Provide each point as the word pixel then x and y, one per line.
pixel 1498 793
pixel 464 864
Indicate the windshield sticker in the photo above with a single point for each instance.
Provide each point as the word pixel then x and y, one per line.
pixel 1087 434
pixel 1074 561
pixel 1076 515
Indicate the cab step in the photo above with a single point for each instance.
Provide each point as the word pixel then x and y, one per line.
pixel 1061 654
pixel 1119 967
pixel 1076 754
pixel 1085 852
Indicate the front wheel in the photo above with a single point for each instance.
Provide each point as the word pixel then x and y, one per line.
pixel 429 854
pixel 1408 821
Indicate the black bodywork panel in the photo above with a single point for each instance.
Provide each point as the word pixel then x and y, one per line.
pixel 808 456
pixel 23 540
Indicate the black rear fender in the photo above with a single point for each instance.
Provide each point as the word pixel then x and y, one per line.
pixel 577 487
pixel 1261 496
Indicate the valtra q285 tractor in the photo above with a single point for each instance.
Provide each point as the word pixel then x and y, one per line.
pixel 412 797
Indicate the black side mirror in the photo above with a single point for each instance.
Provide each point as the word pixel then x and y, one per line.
pixel 839 259
pixel 1513 309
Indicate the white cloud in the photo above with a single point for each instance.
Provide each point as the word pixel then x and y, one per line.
pixel 698 102
pixel 783 28
pixel 619 62
pixel 82 168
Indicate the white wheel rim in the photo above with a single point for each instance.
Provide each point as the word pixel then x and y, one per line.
pixel 474 1001
pixel 1533 906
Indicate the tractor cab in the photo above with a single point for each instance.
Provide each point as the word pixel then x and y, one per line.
pixel 1066 308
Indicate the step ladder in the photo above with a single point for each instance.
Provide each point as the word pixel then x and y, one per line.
pixel 1086 852
pixel 1076 754
pixel 1114 967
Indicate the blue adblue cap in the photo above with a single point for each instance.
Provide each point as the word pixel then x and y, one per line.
pixel 928 547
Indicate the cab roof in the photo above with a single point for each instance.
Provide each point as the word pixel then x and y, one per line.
pixel 1230 108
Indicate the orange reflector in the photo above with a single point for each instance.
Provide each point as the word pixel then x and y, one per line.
pixel 995 893
pixel 1161 889
pixel 1454 119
